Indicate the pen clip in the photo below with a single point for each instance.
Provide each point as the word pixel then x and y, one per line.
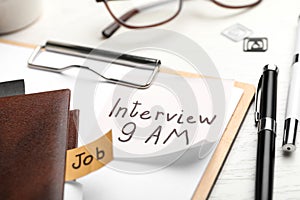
pixel 257 105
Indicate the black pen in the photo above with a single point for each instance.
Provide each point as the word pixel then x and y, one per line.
pixel 265 118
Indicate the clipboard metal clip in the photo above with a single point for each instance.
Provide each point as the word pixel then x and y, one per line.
pixel 127 60
pixel 257 106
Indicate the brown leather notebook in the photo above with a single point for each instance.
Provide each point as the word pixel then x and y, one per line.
pixel 33 142
pixel 73 129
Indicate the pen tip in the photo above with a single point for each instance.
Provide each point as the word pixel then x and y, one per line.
pixel 271 67
pixel 289 148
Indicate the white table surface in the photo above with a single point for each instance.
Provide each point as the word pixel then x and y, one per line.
pixel 81 21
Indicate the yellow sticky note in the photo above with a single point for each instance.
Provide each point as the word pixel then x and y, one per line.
pixel 89 158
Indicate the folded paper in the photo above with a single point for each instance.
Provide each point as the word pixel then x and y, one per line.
pixel 171 116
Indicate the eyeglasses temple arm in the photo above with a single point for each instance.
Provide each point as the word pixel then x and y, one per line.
pixel 237 7
pixel 114 26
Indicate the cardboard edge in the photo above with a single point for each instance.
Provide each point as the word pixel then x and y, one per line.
pixel 20 44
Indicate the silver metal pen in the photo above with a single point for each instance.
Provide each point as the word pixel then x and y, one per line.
pixel 292 116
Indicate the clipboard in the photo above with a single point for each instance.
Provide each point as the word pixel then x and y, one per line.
pixel 218 159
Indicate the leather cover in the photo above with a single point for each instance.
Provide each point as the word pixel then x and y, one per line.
pixel 12 88
pixel 33 143
pixel 73 129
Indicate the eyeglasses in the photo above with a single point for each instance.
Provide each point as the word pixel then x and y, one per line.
pixel 150 13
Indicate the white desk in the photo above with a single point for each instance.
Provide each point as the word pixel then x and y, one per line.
pixel 82 21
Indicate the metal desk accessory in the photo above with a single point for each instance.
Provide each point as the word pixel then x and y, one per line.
pixel 127 60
